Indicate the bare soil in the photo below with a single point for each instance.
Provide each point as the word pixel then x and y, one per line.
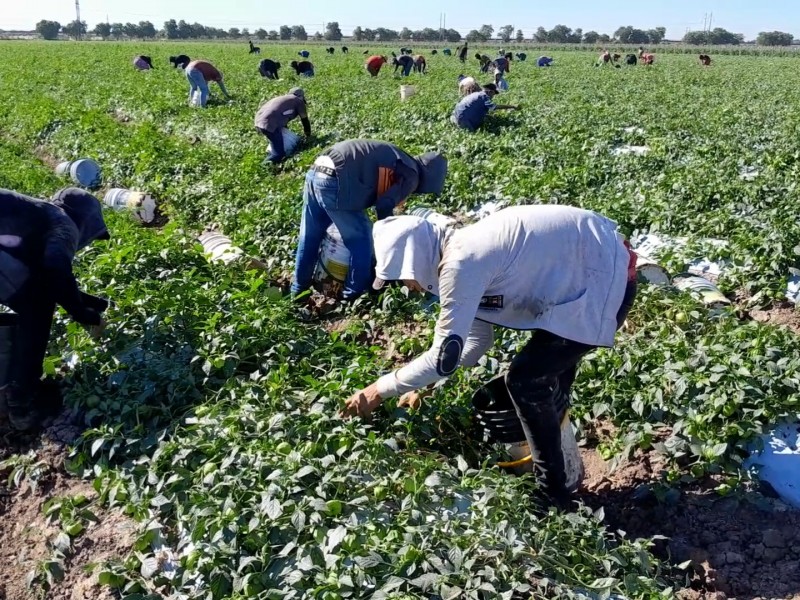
pixel 784 314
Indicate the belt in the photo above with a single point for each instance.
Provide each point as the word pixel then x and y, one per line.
pixel 325 170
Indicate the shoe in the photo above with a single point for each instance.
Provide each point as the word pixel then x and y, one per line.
pixel 23 411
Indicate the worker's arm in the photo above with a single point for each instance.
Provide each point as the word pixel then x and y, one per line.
pixel 405 183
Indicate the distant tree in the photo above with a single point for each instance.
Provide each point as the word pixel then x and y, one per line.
pixel 369 35
pixel 131 30
pixel 504 33
pixel 103 30
pixel 299 33
pixel 386 35
pixel 197 30
pixel 285 32
pixel 318 37
pixel 333 32
pixel 656 35
pixel 170 30
pixel 717 36
pixel 604 38
pixel 487 31
pixel 358 34
pixel 147 30
pixel 520 36
pixel 774 38
pixel 541 35
pixel 117 30
pixel 234 33
pixel 48 29
pixel 75 29
pixel 591 37
pixel 273 35
pixel 475 36
pixel 260 33
pixel 452 36
pixel 185 31
pixel 631 35
pixel 406 34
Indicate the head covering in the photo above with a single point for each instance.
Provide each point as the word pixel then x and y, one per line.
pixel 296 91
pixel 432 173
pixel 490 87
pixel 84 210
pixel 408 248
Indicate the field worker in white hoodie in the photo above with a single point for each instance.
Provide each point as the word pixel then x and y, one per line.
pixel 563 272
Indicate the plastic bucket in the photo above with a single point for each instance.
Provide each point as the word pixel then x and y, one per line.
pixel 8 332
pixel 334 257
pixel 433 217
pixel 84 172
pixel 651 272
pixel 406 91
pixel 141 206
pixel 219 248
pixel 497 417
pixel 708 292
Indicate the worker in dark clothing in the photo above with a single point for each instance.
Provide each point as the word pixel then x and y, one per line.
pixel 404 62
pixel 343 183
pixel 269 68
pixel 181 61
pixel 501 64
pixel 462 53
pixel 304 53
pixel 521 56
pixel 705 60
pixel 484 61
pixel 38 241
pixel 276 114
pixel 303 68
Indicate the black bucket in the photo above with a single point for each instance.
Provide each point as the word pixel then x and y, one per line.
pixel 8 333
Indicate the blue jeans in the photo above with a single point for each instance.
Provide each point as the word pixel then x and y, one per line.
pixel 197 82
pixel 320 209
pixel 309 73
pixel 278 152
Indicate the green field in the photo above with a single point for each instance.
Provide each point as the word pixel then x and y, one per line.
pixel 210 408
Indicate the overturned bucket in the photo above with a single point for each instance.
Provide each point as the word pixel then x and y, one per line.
pixel 430 215
pixel 85 172
pixel 651 272
pixel 219 248
pixel 334 259
pixel 406 91
pixel 140 204
pixel 707 291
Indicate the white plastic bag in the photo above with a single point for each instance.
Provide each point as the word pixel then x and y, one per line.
pixel 290 142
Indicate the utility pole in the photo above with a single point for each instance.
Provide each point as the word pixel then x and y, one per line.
pixel 710 18
pixel 78 17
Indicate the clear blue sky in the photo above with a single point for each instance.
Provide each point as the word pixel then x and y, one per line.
pixel 740 16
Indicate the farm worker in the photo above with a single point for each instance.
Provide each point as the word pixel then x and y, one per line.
pixel 420 64
pixel 500 82
pixel 631 59
pixel 447 52
pixel 544 61
pixel 564 273
pixel 521 56
pixel 471 111
pixel 468 85
pixel 484 61
pixel 303 53
pixel 705 60
pixel 143 63
pixel 501 64
pixel 646 57
pixel 343 183
pixel 462 53
pixel 273 117
pixel 38 241
pixel 303 68
pixel 180 61
pixel 199 73
pixel 269 68
pixel 405 62
pixel 374 64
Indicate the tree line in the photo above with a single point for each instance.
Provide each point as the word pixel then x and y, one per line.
pixel 560 34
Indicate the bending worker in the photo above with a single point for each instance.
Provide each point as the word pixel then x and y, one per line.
pixel 374 64
pixel 38 241
pixel 273 117
pixel 404 62
pixel 471 111
pixel 343 183
pixel 562 272
pixel 199 73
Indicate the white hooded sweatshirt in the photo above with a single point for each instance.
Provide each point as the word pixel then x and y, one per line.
pixel 557 268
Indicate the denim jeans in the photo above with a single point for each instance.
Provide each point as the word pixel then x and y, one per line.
pixel 320 209
pixel 309 73
pixel 278 152
pixel 539 382
pixel 197 82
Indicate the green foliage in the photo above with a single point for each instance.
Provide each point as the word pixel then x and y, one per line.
pixel 211 409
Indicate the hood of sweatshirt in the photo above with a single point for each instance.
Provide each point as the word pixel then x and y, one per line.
pixel 85 211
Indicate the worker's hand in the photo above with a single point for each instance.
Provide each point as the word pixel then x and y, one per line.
pixel 400 207
pixel 413 400
pixel 96 331
pixel 362 403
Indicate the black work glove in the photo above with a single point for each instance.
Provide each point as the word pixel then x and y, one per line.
pixel 95 303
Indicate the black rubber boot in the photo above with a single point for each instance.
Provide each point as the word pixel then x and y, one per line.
pixel 23 413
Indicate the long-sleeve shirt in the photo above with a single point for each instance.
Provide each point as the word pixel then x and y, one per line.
pixel 209 71
pixel 556 268
pixel 373 173
pixel 375 62
pixel 278 112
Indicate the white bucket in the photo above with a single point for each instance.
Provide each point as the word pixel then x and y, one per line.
pixel 406 91
pixel 84 172
pixel 219 248
pixel 793 289
pixel 651 271
pixel 141 205
pixel 290 142
pixel 434 217
pixel 522 460
pixel 708 292
pixel 334 257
